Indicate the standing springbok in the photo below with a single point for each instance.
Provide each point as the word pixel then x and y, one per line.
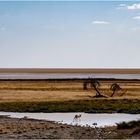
pixel 77 118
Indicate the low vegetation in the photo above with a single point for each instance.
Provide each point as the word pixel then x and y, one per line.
pixel 90 106
pixel 132 126
pixel 128 125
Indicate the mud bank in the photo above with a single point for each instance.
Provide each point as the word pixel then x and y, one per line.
pixel 13 128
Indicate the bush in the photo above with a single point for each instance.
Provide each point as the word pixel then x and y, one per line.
pixel 128 125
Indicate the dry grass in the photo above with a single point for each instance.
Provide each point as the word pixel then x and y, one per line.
pixel 39 95
pixel 53 90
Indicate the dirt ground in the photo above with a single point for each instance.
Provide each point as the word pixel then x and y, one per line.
pixel 12 128
pixel 59 90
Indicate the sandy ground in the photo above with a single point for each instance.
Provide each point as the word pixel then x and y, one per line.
pixel 41 90
pixel 12 128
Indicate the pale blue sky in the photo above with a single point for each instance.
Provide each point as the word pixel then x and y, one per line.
pixel 70 34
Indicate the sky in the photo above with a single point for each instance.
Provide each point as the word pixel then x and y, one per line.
pixel 70 34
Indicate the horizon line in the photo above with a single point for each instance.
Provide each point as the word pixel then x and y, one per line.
pixel 71 70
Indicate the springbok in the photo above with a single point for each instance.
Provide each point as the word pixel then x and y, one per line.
pixel 77 118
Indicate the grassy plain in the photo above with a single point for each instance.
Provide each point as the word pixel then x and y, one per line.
pixel 63 90
pixel 68 95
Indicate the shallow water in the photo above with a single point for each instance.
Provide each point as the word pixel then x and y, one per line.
pixel 86 119
pixel 65 76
